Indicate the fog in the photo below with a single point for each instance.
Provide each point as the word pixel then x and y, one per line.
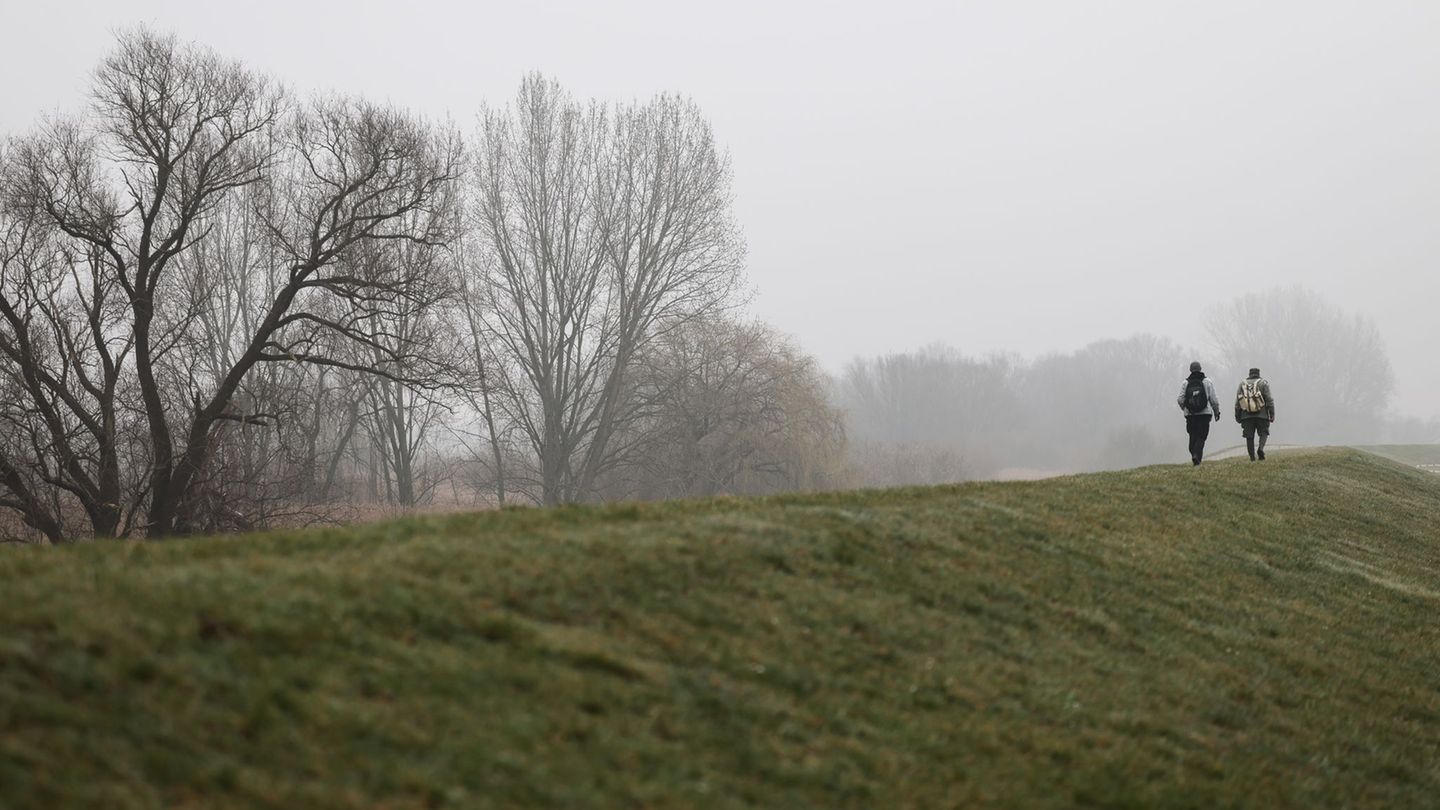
pixel 1023 177
pixel 806 247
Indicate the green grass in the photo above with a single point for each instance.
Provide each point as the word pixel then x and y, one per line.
pixel 1234 635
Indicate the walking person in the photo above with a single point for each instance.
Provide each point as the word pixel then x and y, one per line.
pixel 1198 402
pixel 1255 411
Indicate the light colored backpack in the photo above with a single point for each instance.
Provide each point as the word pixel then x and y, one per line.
pixel 1252 398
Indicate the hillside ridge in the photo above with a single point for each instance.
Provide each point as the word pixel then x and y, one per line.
pixel 1236 634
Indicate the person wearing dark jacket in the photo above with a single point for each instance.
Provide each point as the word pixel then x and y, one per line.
pixel 1198 402
pixel 1255 411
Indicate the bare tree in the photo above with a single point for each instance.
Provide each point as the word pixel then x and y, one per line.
pixel 401 413
pixel 63 352
pixel 734 408
pixel 480 393
pixel 177 136
pixel 1330 366
pixel 598 230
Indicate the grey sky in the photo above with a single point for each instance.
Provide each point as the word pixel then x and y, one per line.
pixel 1023 176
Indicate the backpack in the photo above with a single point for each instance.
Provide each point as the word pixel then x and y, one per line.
pixel 1251 398
pixel 1196 400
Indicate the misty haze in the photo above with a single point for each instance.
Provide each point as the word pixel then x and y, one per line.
pixel 1087 349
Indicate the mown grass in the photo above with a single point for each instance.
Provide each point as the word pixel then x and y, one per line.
pixel 1234 635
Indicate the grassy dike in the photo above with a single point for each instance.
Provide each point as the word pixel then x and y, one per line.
pixel 1251 635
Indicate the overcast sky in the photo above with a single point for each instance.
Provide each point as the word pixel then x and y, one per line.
pixel 1019 176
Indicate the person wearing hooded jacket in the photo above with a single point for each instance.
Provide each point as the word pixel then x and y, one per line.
pixel 1197 416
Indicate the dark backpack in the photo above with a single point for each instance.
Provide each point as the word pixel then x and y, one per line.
pixel 1196 399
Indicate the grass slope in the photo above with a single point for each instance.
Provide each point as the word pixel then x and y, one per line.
pixel 1233 635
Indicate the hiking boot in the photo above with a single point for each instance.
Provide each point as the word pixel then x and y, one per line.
pixel 1261 454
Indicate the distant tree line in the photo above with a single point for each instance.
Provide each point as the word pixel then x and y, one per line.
pixel 1096 408
pixel 937 415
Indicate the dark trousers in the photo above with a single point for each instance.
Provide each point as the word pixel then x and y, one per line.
pixel 1199 429
pixel 1250 426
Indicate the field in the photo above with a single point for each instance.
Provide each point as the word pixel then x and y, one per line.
pixel 1419 455
pixel 1233 635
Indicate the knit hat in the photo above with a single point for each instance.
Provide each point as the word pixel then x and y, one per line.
pixel 1254 372
pixel 1195 366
